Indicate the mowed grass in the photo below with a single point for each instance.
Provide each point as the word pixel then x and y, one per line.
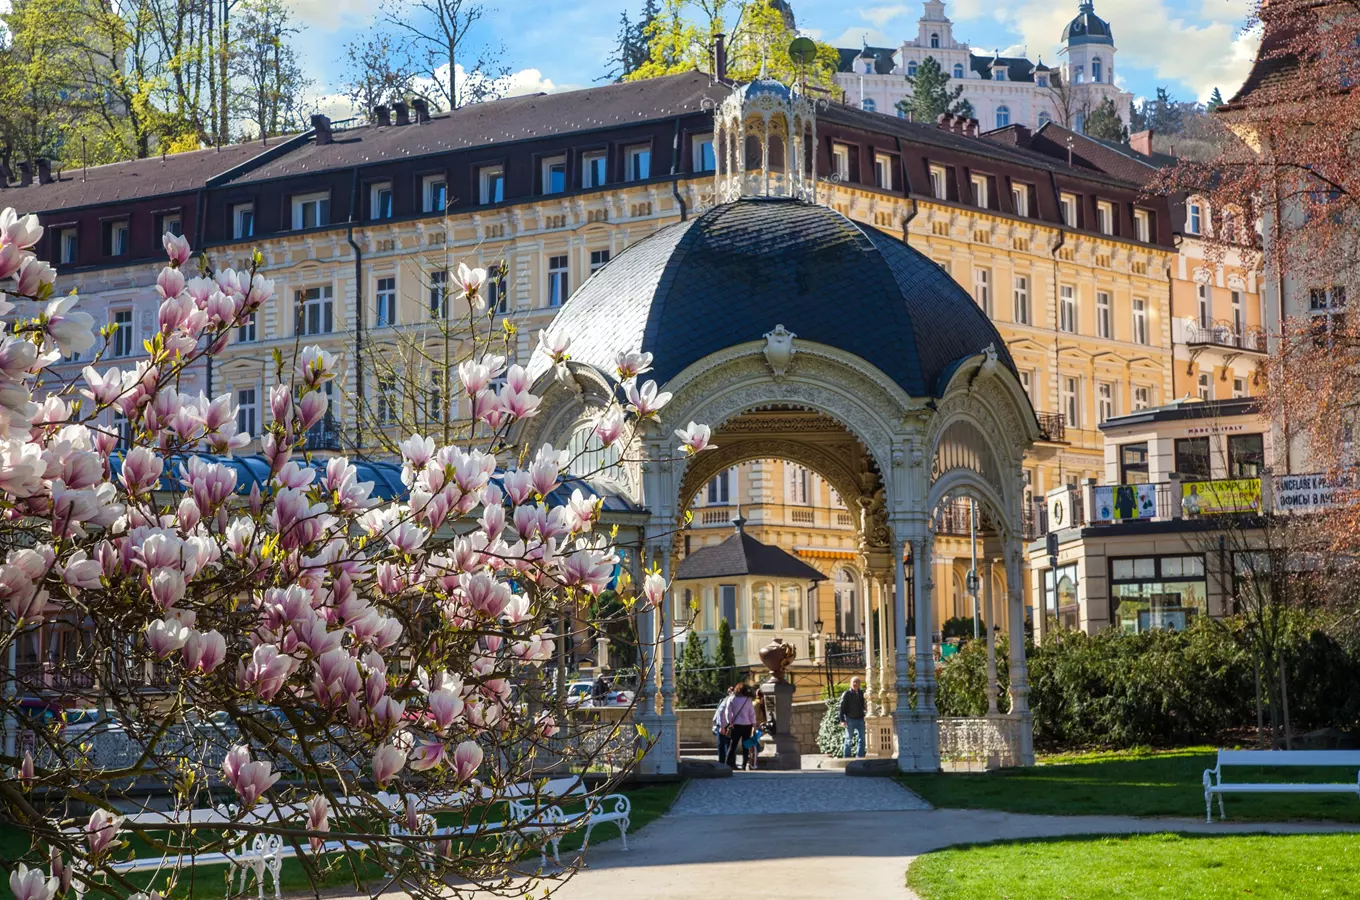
pixel 1130 783
pixel 1145 867
pixel 649 802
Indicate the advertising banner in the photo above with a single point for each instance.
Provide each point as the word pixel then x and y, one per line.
pixel 1309 493
pixel 1211 498
pixel 1121 502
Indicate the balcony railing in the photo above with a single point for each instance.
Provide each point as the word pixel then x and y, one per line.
pixel 324 435
pixel 1052 427
pixel 715 515
pixel 1222 334
pixel 845 651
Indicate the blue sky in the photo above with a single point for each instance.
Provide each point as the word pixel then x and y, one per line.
pixel 1189 45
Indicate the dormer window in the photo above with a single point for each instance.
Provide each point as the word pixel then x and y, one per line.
pixel 980 197
pixel 1041 80
pixel 380 201
pixel 490 184
pixel 1105 217
pixel 1067 203
pixel 117 237
pixel 1142 225
pixel 593 169
pixel 868 67
pixel 935 42
pixel 554 175
pixel 1195 219
pixel 1020 199
pixel 999 73
pixel 704 159
pixel 311 210
pixel 434 190
pixel 68 248
pixel 243 220
pixel 840 161
pixel 639 162
pixel 939 182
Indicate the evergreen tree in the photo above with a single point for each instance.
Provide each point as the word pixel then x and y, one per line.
pixel 1216 100
pixel 725 665
pixel 931 95
pixel 1162 114
pixel 694 681
pixel 1104 123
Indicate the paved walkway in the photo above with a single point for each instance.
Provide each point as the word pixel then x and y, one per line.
pixel 769 793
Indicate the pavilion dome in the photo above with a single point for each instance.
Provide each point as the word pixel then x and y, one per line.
pixel 731 274
pixel 1087 27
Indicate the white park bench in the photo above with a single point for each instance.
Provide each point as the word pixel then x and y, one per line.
pixel 1215 786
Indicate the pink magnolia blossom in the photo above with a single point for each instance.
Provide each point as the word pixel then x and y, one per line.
pixel 695 438
pixel 266 672
pixel 387 762
pixel 11 258
pixel 645 401
pixel 519 404
pixel 177 248
pixel 34 275
pixel 519 484
pixel 249 779
pixel 630 364
pixel 467 757
pixel 444 706
pixel 29 884
pixel 546 467
pixel 26 769
pixel 427 755
pixel 204 651
pixel 554 345
pixel 315 365
pixel 21 231
pixel 318 819
pixel 469 285
pixel 165 637
pixel 141 470
pixel 70 329
pixel 101 830
pixel 654 587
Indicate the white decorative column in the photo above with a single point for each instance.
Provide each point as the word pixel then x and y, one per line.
pixel 985 573
pixel 872 686
pixel 1019 688
pixel 918 735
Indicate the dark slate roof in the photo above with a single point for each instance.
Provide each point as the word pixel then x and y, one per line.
pixel 176 173
pixel 742 554
pixel 504 121
pixel 1087 27
pixel 1110 157
pixel 1017 67
pixel 884 59
pixel 1186 408
pixel 730 275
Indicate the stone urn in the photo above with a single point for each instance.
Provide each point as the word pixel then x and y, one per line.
pixel 777 657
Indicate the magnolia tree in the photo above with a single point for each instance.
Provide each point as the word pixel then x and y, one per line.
pixel 300 659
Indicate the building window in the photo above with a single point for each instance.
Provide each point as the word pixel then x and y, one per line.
pixel 719 488
pixel 1067 309
pixel 116 238
pixel 934 40
pixel 1142 225
pixel 1239 388
pixel 1140 327
pixel 434 192
pixel 958 70
pixel 1020 199
pixel 246 411
pixel 1206 306
pixel 1061 607
pixel 762 606
pixel 123 428
pixel 1192 457
pixel 558 285
pixel 998 74
pixel 939 182
pixel 1148 593
pixel 1096 69
pixel 171 223
pixel 1044 116
pixel 314 309
pixel 68 247
pixel 1103 316
pixel 243 220
pixel 122 335
pixel 796 484
pixel 982 289
pixel 868 105
pixel 598 260
pixel 1205 386
pixel 1195 219
pixel 1133 463
pixel 911 69
pixel 639 161
pixel 1027 382
pixel 1078 76
pixel 1105 217
pixel 387 400
pixel 246 333
pixel 490 184
pixel 1042 81
pixel 840 161
pixel 380 201
pixel 1067 203
pixel 1003 113
pixel 1104 401
pixel 593 173
pixel 791 607
pixel 1327 307
pixel 311 211
pixel 704 158
pixel 1246 455
pixel 979 183
pixel 1021 300
pixel 439 294
pixel 387 302
pixel 1238 323
pixel 555 175
pixel 1142 398
pixel 1072 401
pixel 883 171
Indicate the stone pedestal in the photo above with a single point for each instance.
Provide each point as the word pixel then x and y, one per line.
pixel 779 697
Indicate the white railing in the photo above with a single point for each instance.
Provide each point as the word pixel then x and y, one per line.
pixel 990 740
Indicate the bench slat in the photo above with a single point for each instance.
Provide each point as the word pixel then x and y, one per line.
pixel 1271 758
pixel 1285 788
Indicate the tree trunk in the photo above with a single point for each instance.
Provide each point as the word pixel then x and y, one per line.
pixel 1284 706
pixel 1260 709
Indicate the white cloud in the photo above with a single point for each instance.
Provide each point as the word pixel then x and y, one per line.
pixel 882 15
pixel 1015 50
pixel 331 15
pixel 854 37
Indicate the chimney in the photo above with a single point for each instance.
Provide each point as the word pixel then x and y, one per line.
pixel 322 126
pixel 421 106
pixel 44 170
pixel 970 127
pixel 25 174
pixel 720 56
pixel 1141 142
pixel 382 115
pixel 403 113
pixel 945 121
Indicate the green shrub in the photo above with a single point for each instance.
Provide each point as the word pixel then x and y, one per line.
pixel 830 734
pixel 962 680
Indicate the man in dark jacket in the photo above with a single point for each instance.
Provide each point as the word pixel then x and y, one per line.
pixel 853 709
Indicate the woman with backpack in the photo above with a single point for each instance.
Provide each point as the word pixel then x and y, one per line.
pixel 739 720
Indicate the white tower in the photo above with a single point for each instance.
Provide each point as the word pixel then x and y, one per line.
pixel 1089 47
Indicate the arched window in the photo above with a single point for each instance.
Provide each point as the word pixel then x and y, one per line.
pixel 1095 69
pixel 589 457
pixel 911 69
pixel 1078 75
pixel 1044 118
pixel 791 607
pixel 958 70
pixel 868 105
pixel 1003 116
pixel 762 605
pixel 847 606
pixel 935 41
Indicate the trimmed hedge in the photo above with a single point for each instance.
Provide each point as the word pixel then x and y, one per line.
pixel 1157 689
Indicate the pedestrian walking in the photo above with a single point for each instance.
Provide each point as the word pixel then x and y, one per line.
pixel 720 726
pixel 599 689
pixel 740 721
pixel 852 711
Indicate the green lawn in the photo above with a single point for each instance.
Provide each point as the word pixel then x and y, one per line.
pixel 649 803
pixel 1132 784
pixel 1144 867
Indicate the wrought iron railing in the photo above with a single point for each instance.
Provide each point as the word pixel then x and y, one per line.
pixel 324 435
pixel 845 651
pixel 1223 334
pixel 1052 426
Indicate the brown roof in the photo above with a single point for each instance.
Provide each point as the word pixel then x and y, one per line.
pixel 1118 160
pixel 176 173
pixel 1273 65
pixel 742 554
pixel 503 121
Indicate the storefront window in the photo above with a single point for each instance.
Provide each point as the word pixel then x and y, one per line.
pixel 1152 592
pixel 1246 455
pixel 1060 597
pixel 1192 457
pixel 1133 463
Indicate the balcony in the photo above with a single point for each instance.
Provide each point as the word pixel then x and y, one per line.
pixel 1223 334
pixel 1052 427
pixel 324 435
pixel 713 516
